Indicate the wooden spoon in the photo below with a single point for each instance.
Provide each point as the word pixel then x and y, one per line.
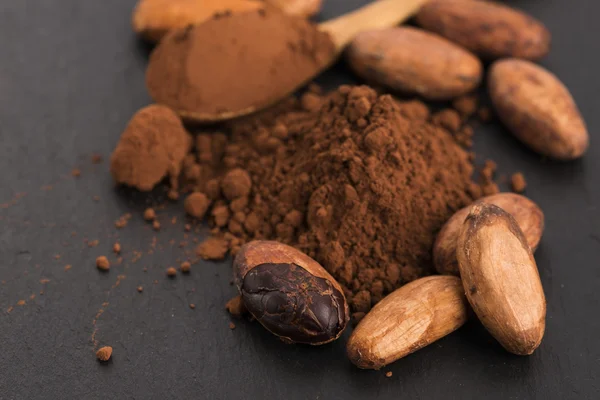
pixel 378 15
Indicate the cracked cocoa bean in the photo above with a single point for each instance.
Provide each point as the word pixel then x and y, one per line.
pixel 290 294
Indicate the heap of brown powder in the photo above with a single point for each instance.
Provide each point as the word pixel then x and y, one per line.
pixel 360 182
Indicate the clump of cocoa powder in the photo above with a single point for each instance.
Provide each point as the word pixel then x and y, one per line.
pixel 152 147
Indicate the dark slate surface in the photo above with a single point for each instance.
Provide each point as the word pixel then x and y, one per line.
pixel 71 75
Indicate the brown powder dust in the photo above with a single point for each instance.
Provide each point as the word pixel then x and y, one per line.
pixel 236 61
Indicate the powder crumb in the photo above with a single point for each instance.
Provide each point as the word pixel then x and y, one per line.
pixel 155 282
pixel 192 306
pixel 186 267
pixel 466 105
pixel 187 227
pixel 447 119
pixel 196 205
pixel 149 214
pixel 236 184
pixel 76 172
pixel 93 243
pixel 213 248
pixel 97 158
pixel 21 302
pixel 117 248
pixel 121 223
pixel 156 225
pixel 236 307
pixel 173 195
pixel 68 267
pixel 231 326
pixel 484 114
pixel 171 272
pixel 464 136
pixel 96 198
pixel 486 178
pixel 388 374
pixel 104 353
pixel 57 256
pixel 518 182
pixel 43 281
pixel 102 263
pixel 9 309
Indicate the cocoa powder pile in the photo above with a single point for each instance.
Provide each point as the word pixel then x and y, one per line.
pixel 361 182
pixel 236 61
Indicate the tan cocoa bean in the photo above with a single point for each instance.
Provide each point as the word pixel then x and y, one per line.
pixel 488 29
pixel 501 278
pixel 152 19
pixel 414 61
pixel 412 317
pixel 538 109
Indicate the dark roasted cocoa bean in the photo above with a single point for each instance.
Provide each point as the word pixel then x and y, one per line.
pixel 290 294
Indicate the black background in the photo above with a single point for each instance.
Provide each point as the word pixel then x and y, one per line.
pixel 71 76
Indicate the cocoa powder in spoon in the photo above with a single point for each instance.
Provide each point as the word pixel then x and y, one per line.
pixel 236 61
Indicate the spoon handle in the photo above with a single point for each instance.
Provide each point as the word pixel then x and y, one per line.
pixel 378 15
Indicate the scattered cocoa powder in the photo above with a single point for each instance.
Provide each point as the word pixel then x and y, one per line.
pixel 76 172
pixel 236 307
pixel 192 306
pixel 140 289
pixel 152 147
pixel 117 248
pixel 185 267
pixel 518 182
pixel 486 179
pixel 171 272
pixel 231 326
pixel 149 214
pixel 156 225
pixel 213 248
pixel 466 105
pixel 104 353
pixel 102 263
pixel 388 374
pixel 236 61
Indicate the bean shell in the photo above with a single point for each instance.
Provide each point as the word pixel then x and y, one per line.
pixel 488 29
pixel 413 61
pixel 538 109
